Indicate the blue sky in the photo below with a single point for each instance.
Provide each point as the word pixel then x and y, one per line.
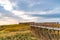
pixel 15 11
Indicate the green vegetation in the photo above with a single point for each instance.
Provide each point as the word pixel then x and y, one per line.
pixel 16 32
pixel 15 27
pixel 18 36
pixel 22 32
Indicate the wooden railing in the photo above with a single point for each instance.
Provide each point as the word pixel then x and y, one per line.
pixel 45 32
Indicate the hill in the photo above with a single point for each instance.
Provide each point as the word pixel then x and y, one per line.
pixel 19 31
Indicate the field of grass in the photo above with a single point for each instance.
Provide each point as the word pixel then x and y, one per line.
pixel 23 31
pixel 16 32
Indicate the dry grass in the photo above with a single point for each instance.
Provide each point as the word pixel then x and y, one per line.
pixel 22 31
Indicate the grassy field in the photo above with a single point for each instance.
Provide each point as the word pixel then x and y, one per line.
pixel 22 31
pixel 16 32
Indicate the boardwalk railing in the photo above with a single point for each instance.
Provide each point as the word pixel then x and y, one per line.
pixel 45 32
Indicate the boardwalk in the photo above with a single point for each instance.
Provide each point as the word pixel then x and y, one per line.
pixel 45 32
pixel 45 27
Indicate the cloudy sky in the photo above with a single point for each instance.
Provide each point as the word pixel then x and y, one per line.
pixel 15 11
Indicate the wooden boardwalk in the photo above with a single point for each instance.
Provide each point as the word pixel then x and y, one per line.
pixel 45 32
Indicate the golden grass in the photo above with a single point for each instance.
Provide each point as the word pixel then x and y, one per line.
pixel 15 27
pixel 12 30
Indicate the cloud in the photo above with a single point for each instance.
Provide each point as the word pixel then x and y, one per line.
pixel 23 15
pixel 8 20
pixel 53 11
pixel 48 20
pixel 0 14
pixel 47 15
pixel 35 5
pixel 52 20
pixel 32 3
pixel 7 5
pixel 29 10
pixel 7 13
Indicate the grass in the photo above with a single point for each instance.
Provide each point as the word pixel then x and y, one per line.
pixel 22 31
pixel 16 32
pixel 18 36
pixel 15 27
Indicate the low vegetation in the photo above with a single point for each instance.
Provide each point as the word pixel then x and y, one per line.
pixel 17 36
pixel 16 32
pixel 22 31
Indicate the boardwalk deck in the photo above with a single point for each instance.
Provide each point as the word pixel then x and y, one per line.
pixel 46 32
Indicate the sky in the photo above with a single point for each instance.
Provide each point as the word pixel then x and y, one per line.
pixel 15 11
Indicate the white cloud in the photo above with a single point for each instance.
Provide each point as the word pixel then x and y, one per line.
pixel 0 14
pixel 32 3
pixel 31 20
pixel 27 17
pixel 53 19
pixel 7 5
pixel 53 11
pixel 8 20
pixel 19 13
pixel 50 20
pixel 23 15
